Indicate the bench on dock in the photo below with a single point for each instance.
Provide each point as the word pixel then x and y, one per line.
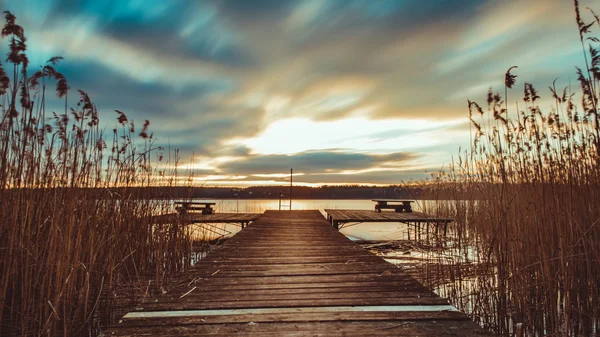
pixel 184 207
pixel 398 205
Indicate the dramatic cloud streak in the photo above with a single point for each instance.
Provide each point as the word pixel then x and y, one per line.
pixel 347 91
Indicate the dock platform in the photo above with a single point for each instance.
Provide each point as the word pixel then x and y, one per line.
pixel 339 217
pixel 290 273
pixel 242 219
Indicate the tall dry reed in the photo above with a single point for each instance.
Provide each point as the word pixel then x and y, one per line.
pixel 526 199
pixel 72 248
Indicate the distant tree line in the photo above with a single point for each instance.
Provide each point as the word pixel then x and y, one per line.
pixel 436 191
pixel 274 192
pixel 270 192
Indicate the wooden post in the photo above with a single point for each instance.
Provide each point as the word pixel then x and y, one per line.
pixel 519 332
pixel 291 178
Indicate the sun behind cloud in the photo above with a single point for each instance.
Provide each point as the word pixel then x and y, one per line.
pixel 229 82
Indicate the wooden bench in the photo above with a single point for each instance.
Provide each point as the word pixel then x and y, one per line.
pixel 183 207
pixel 398 205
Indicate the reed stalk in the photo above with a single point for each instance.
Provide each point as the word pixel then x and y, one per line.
pixel 77 241
pixel 525 199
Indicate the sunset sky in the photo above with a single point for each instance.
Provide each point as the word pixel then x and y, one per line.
pixel 343 91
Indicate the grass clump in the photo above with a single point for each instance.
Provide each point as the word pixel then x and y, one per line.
pixel 72 249
pixel 525 199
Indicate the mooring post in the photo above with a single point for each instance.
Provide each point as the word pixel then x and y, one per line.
pixel 438 237
pixel 519 332
pixel 291 179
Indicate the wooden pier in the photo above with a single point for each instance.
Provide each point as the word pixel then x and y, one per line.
pixel 241 219
pixel 341 217
pixel 290 273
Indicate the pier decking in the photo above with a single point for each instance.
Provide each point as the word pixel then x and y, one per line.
pixel 292 273
pixel 242 219
pixel 359 215
pixel 339 217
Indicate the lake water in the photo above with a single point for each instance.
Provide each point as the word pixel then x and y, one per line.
pixel 362 231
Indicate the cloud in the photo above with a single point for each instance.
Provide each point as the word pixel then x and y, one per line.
pixel 375 177
pixel 144 66
pixel 313 162
pixel 361 134
pixel 364 178
pixel 264 79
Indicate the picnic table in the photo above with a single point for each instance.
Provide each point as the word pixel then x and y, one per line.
pixel 184 206
pixel 398 205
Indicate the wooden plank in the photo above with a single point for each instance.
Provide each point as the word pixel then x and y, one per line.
pixel 190 218
pixel 394 200
pixel 317 270
pixel 374 216
pixel 306 279
pixel 299 290
pixel 204 297
pixel 318 259
pixel 315 316
pixel 217 286
pixel 413 328
pixel 232 303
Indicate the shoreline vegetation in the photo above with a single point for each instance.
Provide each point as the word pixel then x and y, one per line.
pixel 533 224
pixel 77 251
pixel 71 262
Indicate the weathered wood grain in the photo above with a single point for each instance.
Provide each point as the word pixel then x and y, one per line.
pixel 359 215
pixel 191 218
pixel 293 274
